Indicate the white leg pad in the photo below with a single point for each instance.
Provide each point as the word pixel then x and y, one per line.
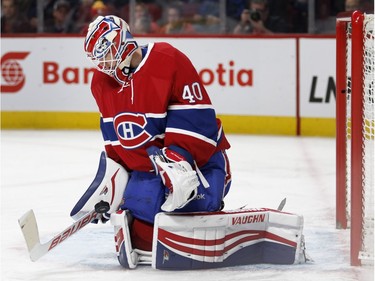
pixel 124 250
pixel 212 240
pixel 127 256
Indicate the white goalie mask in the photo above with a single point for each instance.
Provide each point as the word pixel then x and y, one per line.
pixel 110 46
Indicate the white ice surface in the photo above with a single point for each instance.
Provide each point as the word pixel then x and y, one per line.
pixel 48 171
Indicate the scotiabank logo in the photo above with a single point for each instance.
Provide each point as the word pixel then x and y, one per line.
pixel 224 75
pixel 53 73
pixel 12 76
pixel 227 75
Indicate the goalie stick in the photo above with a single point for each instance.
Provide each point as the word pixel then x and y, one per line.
pixel 279 208
pixel 30 232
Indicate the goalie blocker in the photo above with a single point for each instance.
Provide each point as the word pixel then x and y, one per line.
pixel 213 240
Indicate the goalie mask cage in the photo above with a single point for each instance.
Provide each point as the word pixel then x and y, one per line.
pixel 355 133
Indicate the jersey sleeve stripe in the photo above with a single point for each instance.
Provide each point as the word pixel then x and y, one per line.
pixel 191 134
pixel 108 131
pixel 188 106
pixel 113 143
pixel 161 136
pixel 107 119
pixel 219 133
pixel 156 115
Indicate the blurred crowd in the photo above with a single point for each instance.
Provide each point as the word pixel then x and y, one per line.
pixel 179 17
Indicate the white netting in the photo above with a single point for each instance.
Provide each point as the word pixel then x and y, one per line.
pixel 348 119
pixel 367 251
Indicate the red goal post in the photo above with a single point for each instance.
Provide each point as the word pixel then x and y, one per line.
pixel 355 133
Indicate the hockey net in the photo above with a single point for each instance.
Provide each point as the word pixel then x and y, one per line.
pixel 355 133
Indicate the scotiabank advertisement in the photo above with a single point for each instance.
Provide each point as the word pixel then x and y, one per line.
pixel 244 76
pixel 45 74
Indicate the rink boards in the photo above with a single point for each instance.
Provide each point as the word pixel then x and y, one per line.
pixel 283 85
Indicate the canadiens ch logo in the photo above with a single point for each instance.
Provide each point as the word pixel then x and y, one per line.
pixel 130 129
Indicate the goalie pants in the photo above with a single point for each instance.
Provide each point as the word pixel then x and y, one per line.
pixel 145 193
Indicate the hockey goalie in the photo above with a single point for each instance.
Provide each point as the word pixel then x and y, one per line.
pixel 165 173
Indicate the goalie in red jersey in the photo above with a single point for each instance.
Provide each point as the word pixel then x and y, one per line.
pixel 159 127
pixel 164 173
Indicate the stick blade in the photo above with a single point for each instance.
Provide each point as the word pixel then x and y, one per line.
pixel 30 231
pixel 281 205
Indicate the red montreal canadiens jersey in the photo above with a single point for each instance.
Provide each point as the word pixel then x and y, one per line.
pixel 164 103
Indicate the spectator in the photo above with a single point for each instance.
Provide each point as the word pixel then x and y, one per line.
pixel 207 17
pixel 175 23
pixel 62 18
pixel 244 26
pixel 298 16
pixel 29 9
pixel 88 11
pixel 12 20
pixel 98 8
pixel 143 22
pixel 257 20
pixel 84 16
pixel 234 10
pixel 49 10
pixel 325 22
pixel 366 6
pixel 352 5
